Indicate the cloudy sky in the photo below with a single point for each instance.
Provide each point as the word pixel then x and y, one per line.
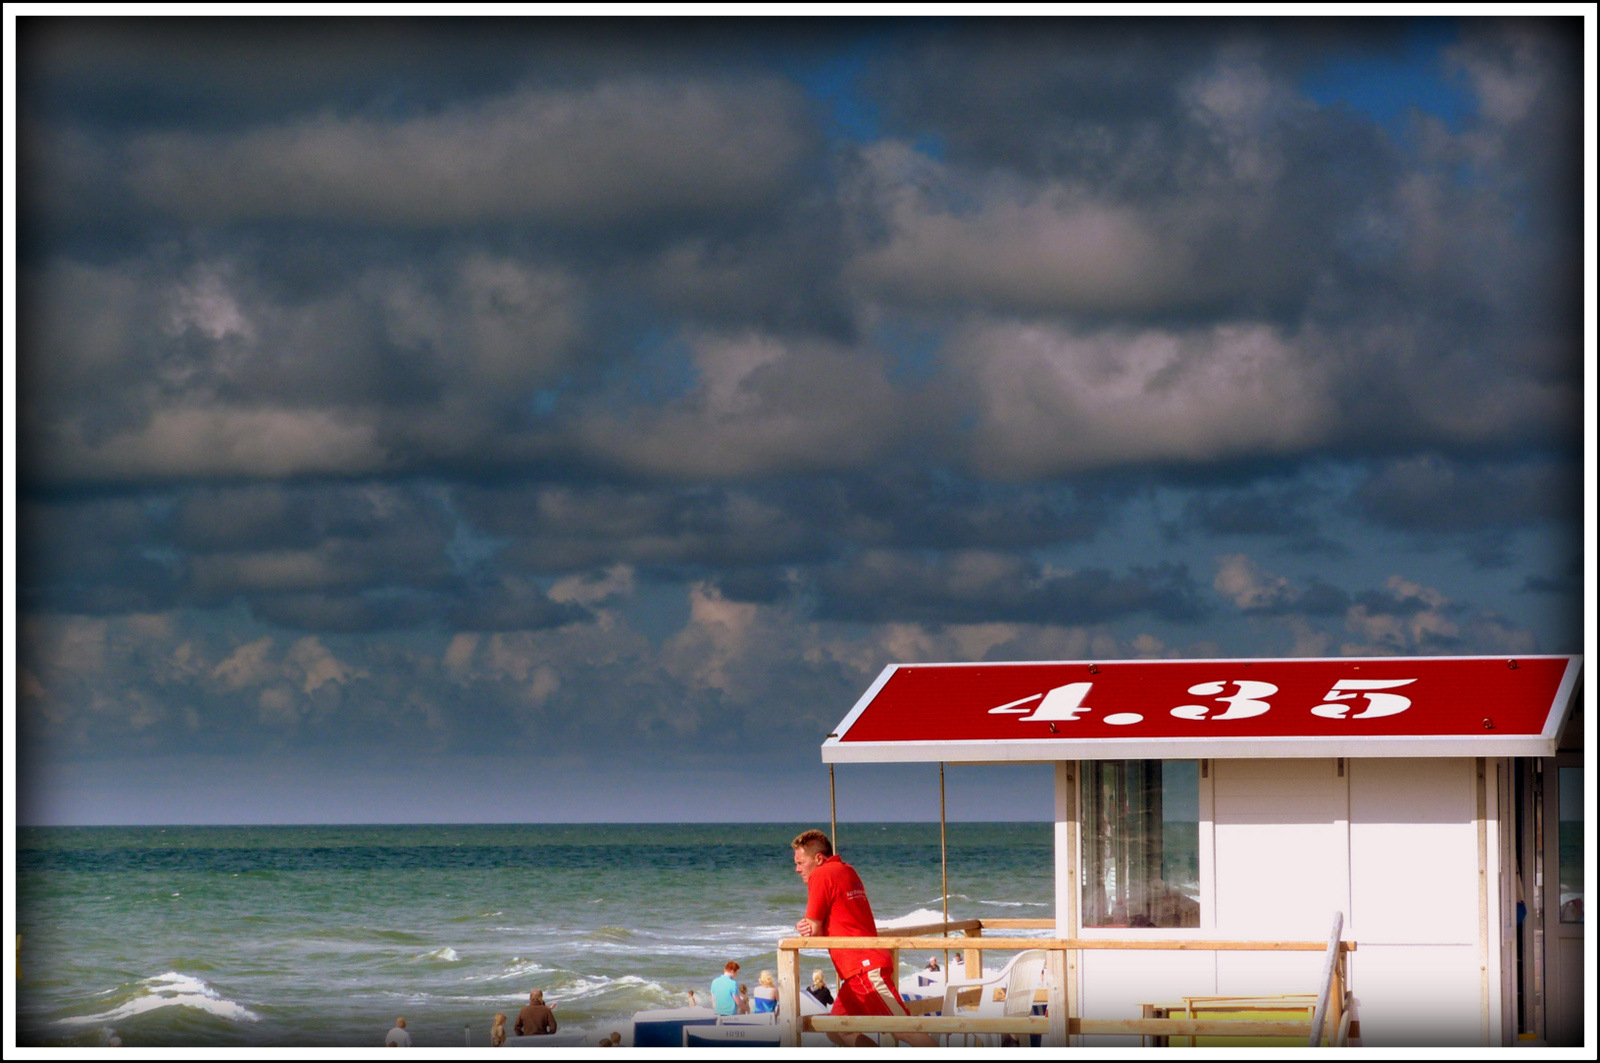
pixel 519 420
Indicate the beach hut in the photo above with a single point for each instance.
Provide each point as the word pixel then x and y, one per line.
pixel 1431 808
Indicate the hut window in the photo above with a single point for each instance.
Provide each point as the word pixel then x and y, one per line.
pixel 1141 842
pixel 1569 812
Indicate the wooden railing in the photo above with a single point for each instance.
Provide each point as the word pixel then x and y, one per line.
pixel 1057 1025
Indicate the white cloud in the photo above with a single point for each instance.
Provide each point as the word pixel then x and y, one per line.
pixel 958 241
pixel 616 581
pixel 1242 581
pixel 320 666
pixel 458 655
pixel 202 441
pixel 716 642
pixel 66 646
pixel 490 323
pixel 206 305
pixel 247 664
pixel 763 404
pixel 1056 399
pixel 613 151
pixel 1425 621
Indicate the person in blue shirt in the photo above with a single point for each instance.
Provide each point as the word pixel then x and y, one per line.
pixel 725 989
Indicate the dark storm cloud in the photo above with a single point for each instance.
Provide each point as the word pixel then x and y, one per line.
pixel 797 521
pixel 1279 512
pixel 1430 493
pixel 977 586
pixel 601 155
pixel 1292 292
pixel 620 381
pixel 1304 280
pixel 1214 189
pixel 1082 89
pixel 348 144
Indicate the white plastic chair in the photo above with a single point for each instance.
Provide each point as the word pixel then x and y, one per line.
pixel 1026 972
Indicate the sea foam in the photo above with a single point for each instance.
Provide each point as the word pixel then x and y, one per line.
pixel 170 990
pixel 913 918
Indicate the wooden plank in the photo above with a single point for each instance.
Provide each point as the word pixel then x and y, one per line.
pixel 1039 1024
pixel 1012 944
pixel 963 925
pixel 1191 1027
pixel 1018 924
pixel 931 1024
pixel 1266 1000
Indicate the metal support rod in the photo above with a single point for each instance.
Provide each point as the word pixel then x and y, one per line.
pixel 944 867
pixel 833 814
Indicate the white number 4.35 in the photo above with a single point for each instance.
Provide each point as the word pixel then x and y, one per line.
pixel 1066 703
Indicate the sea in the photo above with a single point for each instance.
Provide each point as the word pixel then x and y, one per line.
pixel 320 936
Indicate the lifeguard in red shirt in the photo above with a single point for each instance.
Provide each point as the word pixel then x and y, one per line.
pixel 837 906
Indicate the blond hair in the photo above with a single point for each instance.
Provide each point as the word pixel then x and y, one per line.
pixel 813 842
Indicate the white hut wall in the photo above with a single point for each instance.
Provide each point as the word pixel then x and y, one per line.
pixel 1283 844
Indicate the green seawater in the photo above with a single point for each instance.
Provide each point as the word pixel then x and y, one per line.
pixel 320 936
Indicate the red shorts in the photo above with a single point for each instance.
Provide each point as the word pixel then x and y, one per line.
pixel 867 993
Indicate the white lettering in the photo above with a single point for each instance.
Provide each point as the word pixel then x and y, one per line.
pixel 1377 704
pixel 1062 703
pixel 1011 706
pixel 1242 704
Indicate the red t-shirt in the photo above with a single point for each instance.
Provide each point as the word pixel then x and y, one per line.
pixel 837 900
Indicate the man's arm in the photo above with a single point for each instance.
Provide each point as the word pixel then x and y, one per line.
pixel 819 898
pixel 550 1021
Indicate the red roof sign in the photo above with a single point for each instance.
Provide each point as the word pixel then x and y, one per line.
pixel 1343 707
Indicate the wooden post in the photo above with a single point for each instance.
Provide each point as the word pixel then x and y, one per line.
pixel 789 997
pixel 1056 1005
pixel 1335 1020
pixel 973 961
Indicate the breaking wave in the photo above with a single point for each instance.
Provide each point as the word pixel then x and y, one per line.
pixel 168 991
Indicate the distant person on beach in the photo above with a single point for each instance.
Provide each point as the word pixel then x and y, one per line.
pixel 765 997
pixel 535 1016
pixel 724 989
pixel 819 989
pixel 741 1000
pixel 398 1037
pixel 497 1032
pixel 933 964
pixel 837 906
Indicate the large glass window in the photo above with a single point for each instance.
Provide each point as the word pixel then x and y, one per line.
pixel 1570 820
pixel 1141 842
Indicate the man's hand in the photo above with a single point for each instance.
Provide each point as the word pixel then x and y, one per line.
pixel 807 927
